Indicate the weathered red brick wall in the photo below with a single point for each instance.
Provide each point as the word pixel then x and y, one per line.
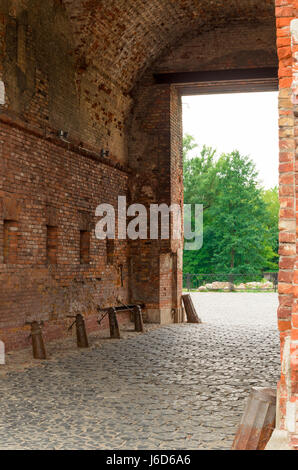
pixel 50 183
pixel 287 41
pixel 232 46
pixel 154 172
pixel 45 86
pixel 50 84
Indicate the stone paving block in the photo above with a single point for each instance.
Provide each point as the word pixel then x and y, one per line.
pixel 194 400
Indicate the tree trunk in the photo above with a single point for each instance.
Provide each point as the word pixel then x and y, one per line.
pixel 232 258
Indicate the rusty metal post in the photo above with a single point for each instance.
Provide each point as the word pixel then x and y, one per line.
pixel 258 422
pixel 114 326
pixel 39 350
pixel 138 318
pixel 82 339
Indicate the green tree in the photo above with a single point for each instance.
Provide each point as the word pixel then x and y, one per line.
pixel 240 218
pixel 200 187
pixel 189 144
pixel 271 200
pixel 200 175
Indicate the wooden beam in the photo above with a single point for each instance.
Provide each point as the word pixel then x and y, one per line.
pixel 217 76
pixel 228 87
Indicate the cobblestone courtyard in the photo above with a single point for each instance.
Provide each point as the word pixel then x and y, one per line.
pixel 177 387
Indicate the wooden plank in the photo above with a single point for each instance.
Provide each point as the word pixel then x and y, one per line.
pixel 258 422
pixel 192 316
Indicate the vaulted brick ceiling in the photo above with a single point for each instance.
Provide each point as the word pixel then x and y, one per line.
pixel 122 37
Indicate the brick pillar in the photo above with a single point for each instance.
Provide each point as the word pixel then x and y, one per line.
pixel 292 410
pixel 287 41
pixel 155 156
pixel 2 54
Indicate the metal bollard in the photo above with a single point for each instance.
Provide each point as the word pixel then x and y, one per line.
pixel 138 318
pixel 82 338
pixel 114 326
pixel 258 422
pixel 38 347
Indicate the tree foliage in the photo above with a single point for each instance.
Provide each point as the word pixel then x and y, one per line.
pixel 240 217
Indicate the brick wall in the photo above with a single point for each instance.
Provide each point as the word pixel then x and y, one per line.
pixel 50 85
pixel 244 45
pixel 48 196
pixel 155 153
pixel 49 189
pixel 287 40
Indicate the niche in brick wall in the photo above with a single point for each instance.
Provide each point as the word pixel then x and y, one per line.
pixel 52 245
pixel 85 227
pixel 10 241
pixel 84 247
pixel 110 251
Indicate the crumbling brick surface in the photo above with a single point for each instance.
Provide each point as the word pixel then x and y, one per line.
pixel 287 47
pixel 43 185
pixel 244 45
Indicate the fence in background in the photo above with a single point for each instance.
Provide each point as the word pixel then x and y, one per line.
pixel 193 282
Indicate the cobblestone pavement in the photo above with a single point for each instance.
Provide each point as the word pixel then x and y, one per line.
pixel 177 387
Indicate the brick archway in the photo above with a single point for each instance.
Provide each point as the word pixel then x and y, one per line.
pixel 95 89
